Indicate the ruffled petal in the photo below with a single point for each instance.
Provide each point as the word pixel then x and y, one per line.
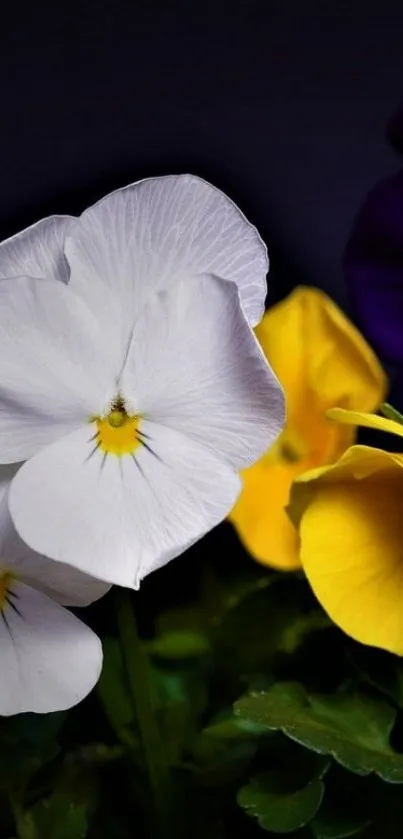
pixel 195 366
pixel 360 418
pixel 150 235
pixel 351 532
pixel 118 518
pixel 321 360
pixel 38 251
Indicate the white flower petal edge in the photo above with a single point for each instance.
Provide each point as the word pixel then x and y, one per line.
pixel 120 518
pixel 195 366
pixel 38 250
pixel 55 369
pixel 49 660
pixel 148 235
pixel 63 583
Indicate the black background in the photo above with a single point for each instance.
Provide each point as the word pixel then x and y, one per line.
pixel 281 103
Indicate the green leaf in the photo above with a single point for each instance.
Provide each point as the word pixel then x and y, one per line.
pixel 27 743
pixel 178 620
pixel 229 727
pixel 348 806
pixel 230 763
pixel 114 693
pixel 331 824
pixel 225 748
pixel 177 645
pixel 381 670
pixel 354 729
pixel 181 697
pixel 275 617
pixel 58 817
pixel 277 808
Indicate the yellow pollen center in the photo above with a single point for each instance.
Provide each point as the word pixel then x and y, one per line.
pixel 118 432
pixel 117 418
pixel 6 581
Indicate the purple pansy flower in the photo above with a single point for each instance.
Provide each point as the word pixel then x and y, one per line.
pixel 373 261
pixel 394 131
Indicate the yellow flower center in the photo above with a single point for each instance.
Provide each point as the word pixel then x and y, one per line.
pixel 6 581
pixel 118 432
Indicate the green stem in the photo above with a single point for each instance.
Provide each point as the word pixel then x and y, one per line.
pixel 391 413
pixel 23 823
pixel 139 680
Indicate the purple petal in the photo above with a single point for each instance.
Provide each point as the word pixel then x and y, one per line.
pixel 394 131
pixel 373 263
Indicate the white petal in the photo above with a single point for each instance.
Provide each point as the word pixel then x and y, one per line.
pixel 38 251
pixel 63 583
pixel 194 365
pixel 152 233
pixel 119 518
pixel 55 371
pixel 49 660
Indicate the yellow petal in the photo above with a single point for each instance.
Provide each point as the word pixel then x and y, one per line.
pixel 260 517
pixel 356 464
pixel 322 361
pixel 351 535
pixel 366 420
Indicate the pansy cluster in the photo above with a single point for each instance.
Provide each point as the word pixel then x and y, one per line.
pixel 142 403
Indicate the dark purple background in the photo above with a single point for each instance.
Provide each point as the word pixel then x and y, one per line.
pixel 282 104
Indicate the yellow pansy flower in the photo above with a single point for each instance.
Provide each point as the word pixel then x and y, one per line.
pixel 350 520
pixel 322 361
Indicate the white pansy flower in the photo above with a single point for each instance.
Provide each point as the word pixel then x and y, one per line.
pixel 49 659
pixel 134 388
